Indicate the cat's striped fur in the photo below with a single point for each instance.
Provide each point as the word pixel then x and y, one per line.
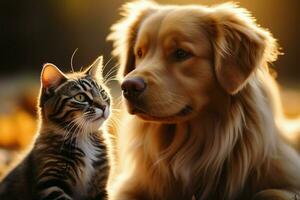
pixel 69 157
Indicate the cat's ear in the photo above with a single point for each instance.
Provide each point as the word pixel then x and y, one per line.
pixel 51 76
pixel 95 70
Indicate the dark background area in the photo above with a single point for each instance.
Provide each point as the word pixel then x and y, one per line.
pixel 34 32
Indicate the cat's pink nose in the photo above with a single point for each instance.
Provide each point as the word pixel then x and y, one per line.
pixel 133 87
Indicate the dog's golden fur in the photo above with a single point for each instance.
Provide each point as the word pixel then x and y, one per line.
pixel 205 125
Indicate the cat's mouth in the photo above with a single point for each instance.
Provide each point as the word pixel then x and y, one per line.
pixel 101 114
pixel 97 118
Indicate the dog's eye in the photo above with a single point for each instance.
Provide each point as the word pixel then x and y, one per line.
pixel 181 54
pixel 139 53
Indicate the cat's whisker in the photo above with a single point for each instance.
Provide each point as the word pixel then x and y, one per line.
pixel 111 71
pixel 72 57
pixel 116 110
pixel 110 80
pixel 107 78
pixel 114 122
pixel 106 64
pixel 77 130
pixel 69 131
pixel 118 100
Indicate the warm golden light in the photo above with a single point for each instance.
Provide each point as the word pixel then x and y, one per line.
pixel 17 129
pixel 85 25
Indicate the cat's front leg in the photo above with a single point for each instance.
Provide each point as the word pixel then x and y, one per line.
pixel 277 194
pixel 98 191
pixel 53 193
pixel 51 184
pixel 123 196
pixel 99 181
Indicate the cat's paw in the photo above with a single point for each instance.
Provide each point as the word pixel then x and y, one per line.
pixel 275 194
pixel 123 197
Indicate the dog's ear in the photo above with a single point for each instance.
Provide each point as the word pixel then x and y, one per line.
pixel 240 46
pixel 123 33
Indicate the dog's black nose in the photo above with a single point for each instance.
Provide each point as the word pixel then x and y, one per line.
pixel 133 87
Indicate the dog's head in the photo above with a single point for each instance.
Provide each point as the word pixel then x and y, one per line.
pixel 178 60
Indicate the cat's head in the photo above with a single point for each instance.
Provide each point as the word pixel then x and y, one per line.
pixel 77 101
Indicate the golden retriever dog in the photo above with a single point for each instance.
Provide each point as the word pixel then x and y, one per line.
pixel 201 105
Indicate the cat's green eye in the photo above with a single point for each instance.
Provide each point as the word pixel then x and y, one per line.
pixel 80 97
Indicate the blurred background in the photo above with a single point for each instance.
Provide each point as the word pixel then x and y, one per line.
pixel 35 32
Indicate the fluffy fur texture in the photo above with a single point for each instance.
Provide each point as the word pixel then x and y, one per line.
pixel 206 123
pixel 69 157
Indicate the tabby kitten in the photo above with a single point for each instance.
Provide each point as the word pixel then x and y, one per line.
pixel 69 157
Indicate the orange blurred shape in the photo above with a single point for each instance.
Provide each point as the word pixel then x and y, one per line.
pixel 17 130
pixel 291 102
